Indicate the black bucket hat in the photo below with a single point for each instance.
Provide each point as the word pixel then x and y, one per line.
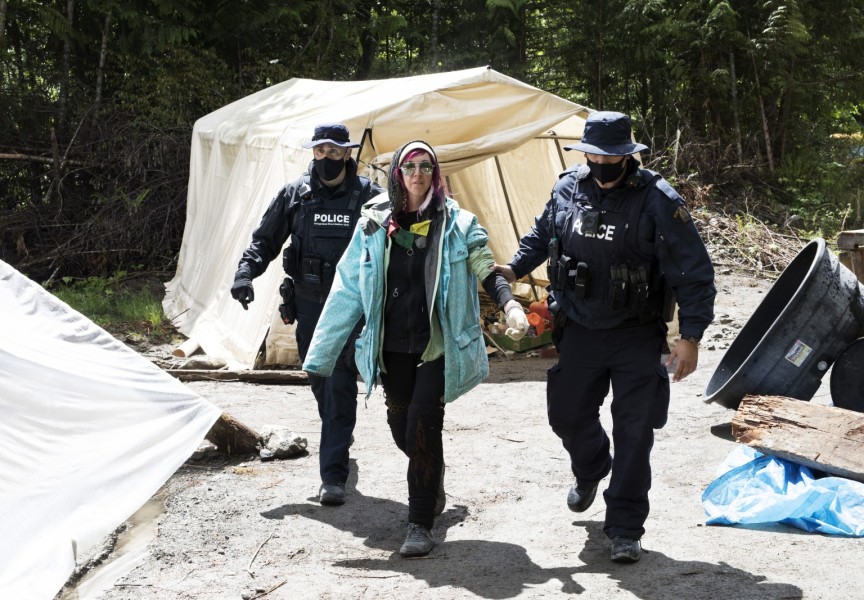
pixel 330 133
pixel 609 134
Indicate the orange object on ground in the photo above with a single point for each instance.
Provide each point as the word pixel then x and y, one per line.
pixel 542 309
pixel 537 322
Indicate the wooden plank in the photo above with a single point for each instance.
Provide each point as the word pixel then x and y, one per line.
pixel 826 438
pixel 273 377
pixel 850 240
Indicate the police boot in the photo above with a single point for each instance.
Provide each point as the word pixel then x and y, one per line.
pixel 581 495
pixel 332 494
pixel 626 550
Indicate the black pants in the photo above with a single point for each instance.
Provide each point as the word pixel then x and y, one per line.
pixel 629 360
pixel 414 394
pixel 336 396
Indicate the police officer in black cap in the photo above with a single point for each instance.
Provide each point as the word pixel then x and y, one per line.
pixel 317 212
pixel 619 241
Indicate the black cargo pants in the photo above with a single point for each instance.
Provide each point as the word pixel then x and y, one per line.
pixel 590 361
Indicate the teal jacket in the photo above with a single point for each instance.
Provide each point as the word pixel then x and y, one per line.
pixel 457 257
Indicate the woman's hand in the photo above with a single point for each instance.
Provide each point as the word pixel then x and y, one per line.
pixel 517 322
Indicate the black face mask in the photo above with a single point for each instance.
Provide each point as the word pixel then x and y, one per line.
pixel 328 169
pixel 607 172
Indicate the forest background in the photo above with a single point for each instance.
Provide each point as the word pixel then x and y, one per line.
pixel 755 109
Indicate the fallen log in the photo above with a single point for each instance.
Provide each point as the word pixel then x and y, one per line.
pixel 825 438
pixel 233 437
pixel 251 376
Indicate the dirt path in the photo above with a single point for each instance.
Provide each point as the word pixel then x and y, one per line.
pixel 240 529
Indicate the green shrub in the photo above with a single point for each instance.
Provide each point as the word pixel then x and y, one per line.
pixel 117 303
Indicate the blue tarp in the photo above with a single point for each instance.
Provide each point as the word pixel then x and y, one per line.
pixel 755 488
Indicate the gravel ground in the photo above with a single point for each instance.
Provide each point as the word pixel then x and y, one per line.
pixel 244 529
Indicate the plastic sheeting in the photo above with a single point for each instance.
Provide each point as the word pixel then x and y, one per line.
pixel 754 488
pixel 89 430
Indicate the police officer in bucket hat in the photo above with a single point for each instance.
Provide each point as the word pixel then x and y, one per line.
pixel 618 241
pixel 317 213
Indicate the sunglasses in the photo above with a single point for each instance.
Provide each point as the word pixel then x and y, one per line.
pixel 408 168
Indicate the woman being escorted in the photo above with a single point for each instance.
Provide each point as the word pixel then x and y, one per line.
pixel 411 270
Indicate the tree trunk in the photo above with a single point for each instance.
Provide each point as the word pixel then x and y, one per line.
pixel 522 37
pixel 103 51
pixel 765 129
pixel 826 438
pixel 368 41
pixel 67 67
pixel 785 112
pixel 2 24
pixel 735 119
pixel 433 37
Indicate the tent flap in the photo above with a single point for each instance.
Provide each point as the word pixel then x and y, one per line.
pixel 89 431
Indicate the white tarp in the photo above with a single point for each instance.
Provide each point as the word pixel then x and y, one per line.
pixel 89 430
pixel 499 142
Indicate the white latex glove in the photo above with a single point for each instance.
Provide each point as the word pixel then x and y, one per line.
pixel 517 322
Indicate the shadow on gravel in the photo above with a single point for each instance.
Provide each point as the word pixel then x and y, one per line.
pixel 485 568
pixel 660 577
pixel 723 431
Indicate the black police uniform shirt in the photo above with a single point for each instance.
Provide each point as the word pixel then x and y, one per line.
pixel 319 222
pixel 596 227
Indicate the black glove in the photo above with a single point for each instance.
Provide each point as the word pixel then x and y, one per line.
pixel 242 291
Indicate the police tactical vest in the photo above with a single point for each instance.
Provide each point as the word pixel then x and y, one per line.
pixel 321 230
pixel 605 276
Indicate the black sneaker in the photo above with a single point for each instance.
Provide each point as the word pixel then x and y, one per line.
pixel 418 542
pixel 441 500
pixel 626 550
pixel 581 496
pixel 332 494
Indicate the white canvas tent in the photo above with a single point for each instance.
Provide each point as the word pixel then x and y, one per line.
pixel 499 142
pixel 89 430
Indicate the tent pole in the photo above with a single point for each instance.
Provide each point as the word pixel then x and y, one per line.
pixel 560 154
pixel 366 133
pixel 513 220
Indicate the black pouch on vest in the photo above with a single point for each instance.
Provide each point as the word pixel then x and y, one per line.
pixel 310 269
pixel 638 288
pixel 616 293
pixel 562 270
pixel 579 277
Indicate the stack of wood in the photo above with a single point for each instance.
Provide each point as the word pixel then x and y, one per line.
pixel 824 438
